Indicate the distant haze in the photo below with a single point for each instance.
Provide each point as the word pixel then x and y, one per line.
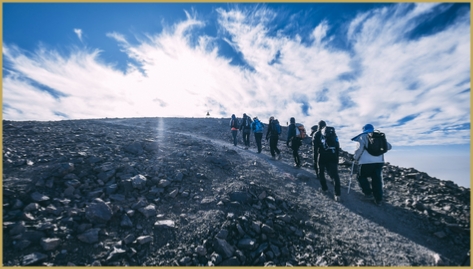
pixel 443 162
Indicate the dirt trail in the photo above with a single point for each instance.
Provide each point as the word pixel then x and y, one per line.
pixel 356 222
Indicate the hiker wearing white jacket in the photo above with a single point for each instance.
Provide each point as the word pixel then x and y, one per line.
pixel 370 166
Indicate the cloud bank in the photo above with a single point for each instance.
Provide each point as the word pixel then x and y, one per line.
pixel 413 85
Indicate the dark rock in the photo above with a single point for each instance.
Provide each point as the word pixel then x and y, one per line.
pixel 148 211
pixel 144 239
pixel 98 211
pixel 90 236
pixel 126 222
pixel 246 243
pixel 33 258
pixel 223 248
pixel 233 261
pixel 242 197
pixel 138 182
pixel 38 197
pixel 164 224
pixel 50 243
pixel 134 148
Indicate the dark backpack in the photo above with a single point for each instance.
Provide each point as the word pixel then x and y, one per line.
pixel 377 143
pixel 236 124
pixel 275 127
pixel 329 141
pixel 247 123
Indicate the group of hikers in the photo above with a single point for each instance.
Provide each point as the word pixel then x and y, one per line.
pixel 368 156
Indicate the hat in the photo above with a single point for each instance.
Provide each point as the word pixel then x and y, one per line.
pixel 368 128
pixel 292 120
pixel 314 128
pixel 322 124
pixel 255 118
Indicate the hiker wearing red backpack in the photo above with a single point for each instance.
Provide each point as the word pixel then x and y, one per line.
pixel 369 154
pixel 326 150
pixel 234 126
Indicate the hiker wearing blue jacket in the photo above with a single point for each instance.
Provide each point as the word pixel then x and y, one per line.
pixel 370 166
pixel 257 127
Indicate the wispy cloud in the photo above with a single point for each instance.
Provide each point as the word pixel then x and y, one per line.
pixel 416 88
pixel 78 33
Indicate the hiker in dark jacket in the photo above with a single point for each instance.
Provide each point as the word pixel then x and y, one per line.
pixel 234 126
pixel 273 137
pixel 371 166
pixel 257 127
pixel 295 142
pixel 326 159
pixel 245 129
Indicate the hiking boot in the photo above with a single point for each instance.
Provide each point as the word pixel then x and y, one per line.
pixel 273 157
pixel 367 197
pixel 246 147
pixel 378 203
pixel 338 198
pixel 279 156
pixel 324 191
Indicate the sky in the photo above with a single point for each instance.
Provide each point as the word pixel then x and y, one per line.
pixel 403 67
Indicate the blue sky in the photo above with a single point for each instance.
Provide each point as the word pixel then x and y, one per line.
pixel 405 68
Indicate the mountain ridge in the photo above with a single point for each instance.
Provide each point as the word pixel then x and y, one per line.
pixel 175 191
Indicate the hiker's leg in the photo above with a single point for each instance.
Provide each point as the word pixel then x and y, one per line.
pixel 323 181
pixel 377 181
pixel 276 139
pixel 272 145
pixel 258 137
pixel 365 170
pixel 234 134
pixel 333 172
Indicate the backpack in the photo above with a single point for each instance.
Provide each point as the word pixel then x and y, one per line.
pixel 329 141
pixel 247 123
pixel 236 124
pixel 377 143
pixel 300 131
pixel 275 127
pixel 258 126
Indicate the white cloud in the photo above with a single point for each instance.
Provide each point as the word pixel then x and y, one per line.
pixel 391 77
pixel 78 33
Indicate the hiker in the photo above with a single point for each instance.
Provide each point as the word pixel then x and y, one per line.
pixel 296 142
pixel 274 130
pixel 312 135
pixel 370 165
pixel 326 150
pixel 234 126
pixel 245 127
pixel 257 127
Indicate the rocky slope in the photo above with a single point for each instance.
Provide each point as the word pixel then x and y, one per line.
pixel 176 192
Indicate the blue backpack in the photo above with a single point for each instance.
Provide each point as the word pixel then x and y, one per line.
pixel 258 127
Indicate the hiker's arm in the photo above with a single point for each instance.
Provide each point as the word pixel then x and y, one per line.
pixel 359 149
